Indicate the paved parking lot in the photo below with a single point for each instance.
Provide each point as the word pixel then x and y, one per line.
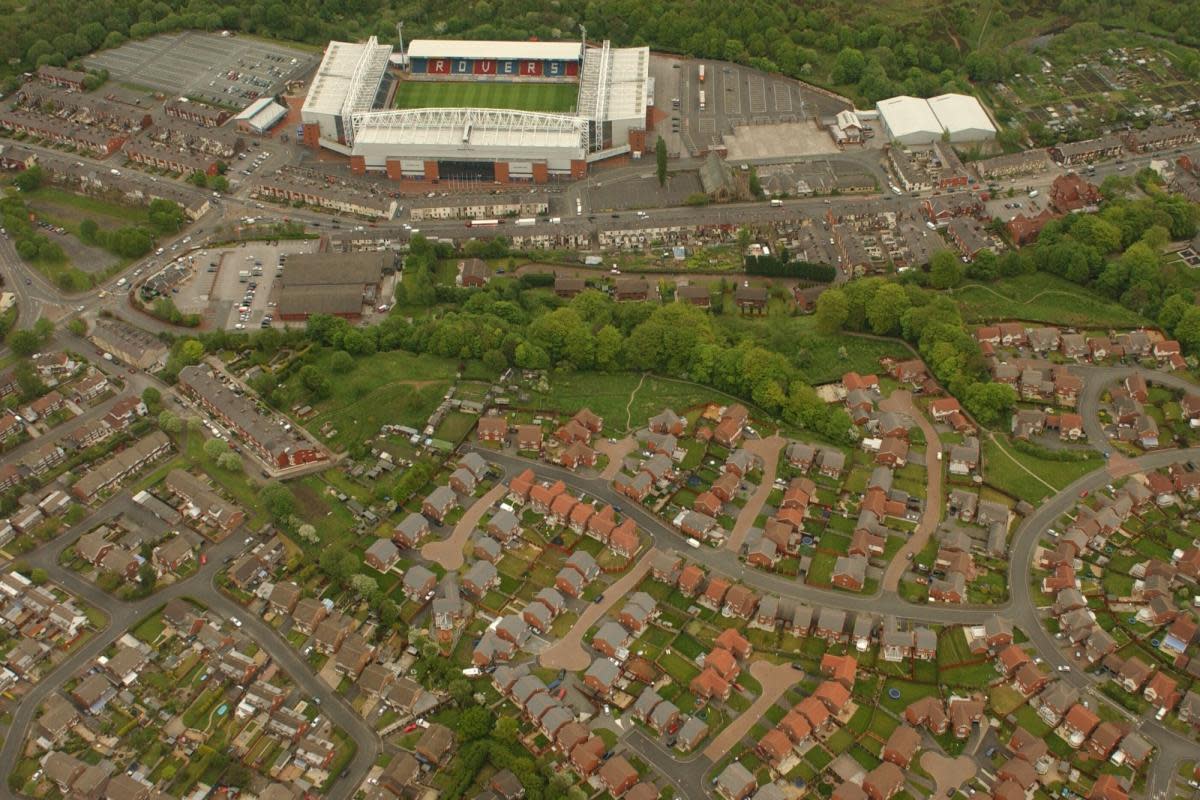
pixel 226 70
pixel 218 294
pixel 1006 207
pixel 735 96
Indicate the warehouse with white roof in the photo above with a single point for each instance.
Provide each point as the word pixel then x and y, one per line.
pixel 909 120
pixel 963 118
pixel 914 120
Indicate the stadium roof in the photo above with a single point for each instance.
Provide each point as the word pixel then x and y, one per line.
pixel 452 48
pixel 464 129
pixel 960 112
pixel 614 84
pixel 346 68
pixel 908 116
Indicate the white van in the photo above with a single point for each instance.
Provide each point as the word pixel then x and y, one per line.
pixel 693 543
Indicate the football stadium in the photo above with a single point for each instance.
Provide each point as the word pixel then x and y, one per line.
pixel 501 112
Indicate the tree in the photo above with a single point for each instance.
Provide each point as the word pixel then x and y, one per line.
pixel 660 160
pixel 277 500
pixel 887 308
pixel 314 381
pixel 147 577
pixel 364 585
pixel 88 231
pixel 43 329
pixel 460 690
pixel 474 723
pixel 308 533
pixel 945 270
pixel 170 423
pixel 38 576
pixel 230 462
pixel 24 343
pixel 1187 331
pixel 152 397
pixel 341 362
pixel 833 309
pixel 848 66
pixel 30 179
pixel 991 403
pixel 214 448
pixel 78 326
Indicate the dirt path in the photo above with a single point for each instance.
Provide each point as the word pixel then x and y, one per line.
pixel 629 404
pixel 768 450
pixel 900 402
pixel 568 652
pixel 449 552
pixel 616 452
pixel 775 679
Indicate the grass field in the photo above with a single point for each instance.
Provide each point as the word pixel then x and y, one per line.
pixel 549 97
pixel 393 387
pixel 1042 298
pixel 1003 470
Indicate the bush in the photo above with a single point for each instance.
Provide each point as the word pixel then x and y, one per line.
pixel 1047 454
pixel 780 267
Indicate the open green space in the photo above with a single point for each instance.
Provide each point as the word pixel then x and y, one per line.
pixel 820 357
pixel 612 396
pixel 393 387
pixel 1010 471
pixel 1041 297
pixel 548 97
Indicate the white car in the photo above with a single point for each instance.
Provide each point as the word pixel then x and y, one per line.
pixel 237 623
pixel 1063 668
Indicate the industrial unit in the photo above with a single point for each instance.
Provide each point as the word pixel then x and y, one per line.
pixel 915 120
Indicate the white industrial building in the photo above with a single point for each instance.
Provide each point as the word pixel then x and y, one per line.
pixel 963 118
pixel 914 120
pixel 261 115
pixel 909 120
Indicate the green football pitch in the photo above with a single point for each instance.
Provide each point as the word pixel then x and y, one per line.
pixel 548 97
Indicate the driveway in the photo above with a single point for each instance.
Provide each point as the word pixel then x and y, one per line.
pixel 947 773
pixel 616 452
pixel 449 552
pixel 775 679
pixel 568 653
pixel 900 402
pixel 767 450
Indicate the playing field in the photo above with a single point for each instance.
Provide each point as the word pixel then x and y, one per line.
pixel 549 97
